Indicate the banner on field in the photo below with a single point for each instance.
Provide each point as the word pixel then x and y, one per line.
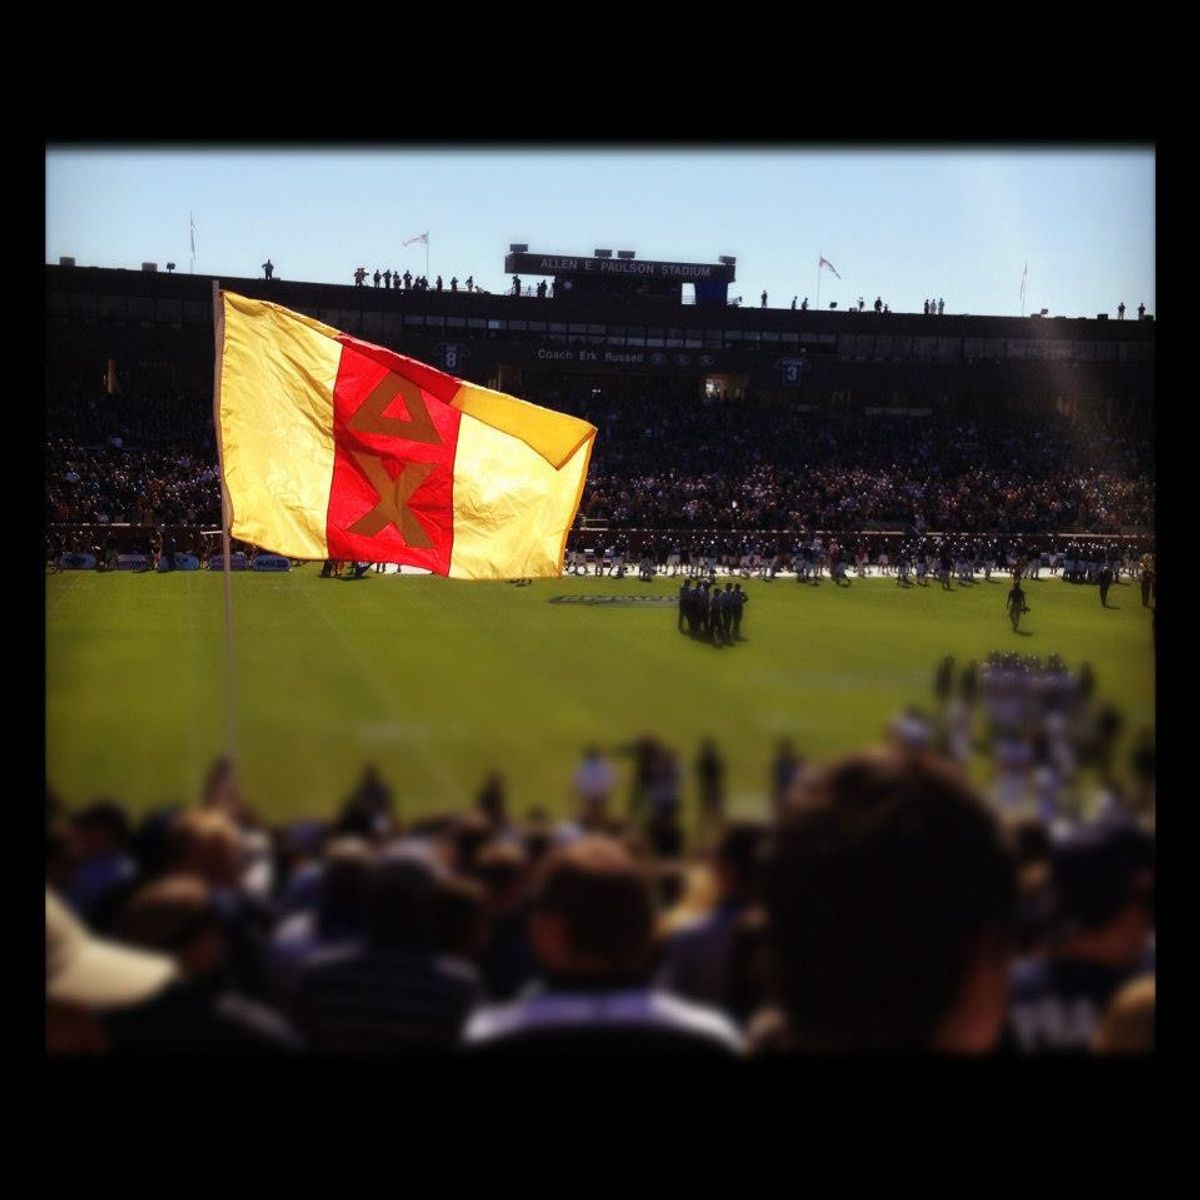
pixel 237 562
pixel 183 562
pixel 132 562
pixel 78 562
pixel 272 562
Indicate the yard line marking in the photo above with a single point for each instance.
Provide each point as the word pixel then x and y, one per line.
pixel 387 703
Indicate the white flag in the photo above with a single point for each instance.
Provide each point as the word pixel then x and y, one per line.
pixel 826 263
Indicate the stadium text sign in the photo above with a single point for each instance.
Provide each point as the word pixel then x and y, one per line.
pixel 614 601
pixel 272 562
pixel 237 562
pixel 554 264
pixel 183 562
pixel 637 358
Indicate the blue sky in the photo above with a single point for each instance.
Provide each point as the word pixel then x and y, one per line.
pixel 903 224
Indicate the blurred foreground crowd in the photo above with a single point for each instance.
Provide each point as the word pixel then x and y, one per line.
pixel 886 905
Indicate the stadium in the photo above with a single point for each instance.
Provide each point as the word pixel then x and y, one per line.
pixel 351 769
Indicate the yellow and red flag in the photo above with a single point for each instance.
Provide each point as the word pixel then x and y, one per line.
pixel 334 448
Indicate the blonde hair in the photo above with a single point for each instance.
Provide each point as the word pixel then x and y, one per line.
pixel 1128 1025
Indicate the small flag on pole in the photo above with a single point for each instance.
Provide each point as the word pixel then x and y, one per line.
pixel 332 447
pixel 826 263
pixel 1024 276
pixel 192 223
pixel 420 237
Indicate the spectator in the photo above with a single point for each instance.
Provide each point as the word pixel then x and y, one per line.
pixel 504 868
pixel 710 778
pixel 205 845
pixel 890 904
pixel 336 918
pixel 591 930
pixel 88 978
pixel 699 957
pixel 178 917
pixel 785 772
pixel 105 871
pixel 493 801
pixel 594 783
pixel 409 988
pixel 1103 879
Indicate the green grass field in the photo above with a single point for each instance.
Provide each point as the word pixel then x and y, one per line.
pixel 438 681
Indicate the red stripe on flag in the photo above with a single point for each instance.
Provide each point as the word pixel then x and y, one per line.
pixel 392 498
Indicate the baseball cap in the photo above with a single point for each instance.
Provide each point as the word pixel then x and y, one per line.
pixel 87 970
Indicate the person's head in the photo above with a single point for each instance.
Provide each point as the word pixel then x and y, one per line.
pixel 503 869
pixel 1103 885
pixel 101 828
pixel 737 860
pixel 204 843
pixel 493 799
pixel 458 922
pixel 344 879
pixel 176 916
pixel 890 896
pixel 221 789
pixel 151 841
pixel 400 901
pixel 592 910
pixel 470 834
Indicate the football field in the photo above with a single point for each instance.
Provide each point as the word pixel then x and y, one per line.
pixel 440 681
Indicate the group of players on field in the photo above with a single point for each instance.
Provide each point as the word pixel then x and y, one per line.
pixel 913 561
pixel 712 613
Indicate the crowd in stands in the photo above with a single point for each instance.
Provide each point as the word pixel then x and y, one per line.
pixel 675 463
pixel 136 456
pixel 883 905
pixel 409 282
pixel 768 467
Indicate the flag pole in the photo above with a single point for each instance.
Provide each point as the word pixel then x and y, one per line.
pixel 226 521
pixel 818 284
pixel 427 256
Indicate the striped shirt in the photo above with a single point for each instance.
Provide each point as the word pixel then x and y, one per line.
pixel 625 1020
pixel 352 1000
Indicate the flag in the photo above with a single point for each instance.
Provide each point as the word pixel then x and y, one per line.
pixel 826 263
pixel 421 237
pixel 192 223
pixel 1024 274
pixel 335 448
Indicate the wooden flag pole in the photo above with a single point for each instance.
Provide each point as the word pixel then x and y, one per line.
pixel 226 521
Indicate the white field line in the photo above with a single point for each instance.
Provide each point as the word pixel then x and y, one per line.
pixel 387 704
